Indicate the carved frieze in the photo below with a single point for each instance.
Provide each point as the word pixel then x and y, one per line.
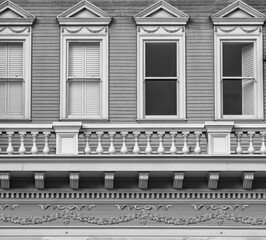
pixel 143 214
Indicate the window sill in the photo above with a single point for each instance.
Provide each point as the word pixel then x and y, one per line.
pixel 84 120
pixel 242 119
pixel 2 119
pixel 156 120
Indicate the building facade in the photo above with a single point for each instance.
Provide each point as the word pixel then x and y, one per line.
pixel 132 119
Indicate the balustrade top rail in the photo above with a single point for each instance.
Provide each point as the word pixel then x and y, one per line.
pixel 98 139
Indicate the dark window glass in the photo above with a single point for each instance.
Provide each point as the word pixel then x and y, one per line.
pixel 232 97
pixel 160 97
pixel 160 60
pixel 232 60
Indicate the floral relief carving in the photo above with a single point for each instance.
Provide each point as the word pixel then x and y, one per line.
pixel 9 207
pixel 246 29
pixel 15 29
pixel 67 214
pixel 143 207
pixel 156 29
pixel 90 29
pixel 64 207
pixel 222 207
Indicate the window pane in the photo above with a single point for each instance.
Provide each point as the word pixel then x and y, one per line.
pixel 238 97
pixel 238 59
pixel 160 97
pixel 161 60
pixel 15 98
pixel 92 98
pixel 75 98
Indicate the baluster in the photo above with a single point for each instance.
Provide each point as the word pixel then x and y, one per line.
pixel 173 148
pixel 46 149
pixel 185 148
pixel 251 149
pixel 22 149
pixel 238 140
pixel 87 149
pixel 263 147
pixel 10 148
pixel 160 149
pixel 124 149
pixel 148 149
pixel 197 149
pixel 111 149
pixel 34 149
pixel 99 148
pixel 0 146
pixel 136 148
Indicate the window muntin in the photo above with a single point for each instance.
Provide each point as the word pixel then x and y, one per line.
pixel 161 81
pixel 12 81
pixel 238 78
pixel 84 79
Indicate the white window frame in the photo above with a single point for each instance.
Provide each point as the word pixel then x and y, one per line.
pixel 162 35
pixel 84 36
pixel 238 35
pixel 9 36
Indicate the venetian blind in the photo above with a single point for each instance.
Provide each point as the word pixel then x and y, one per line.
pixel 84 79
pixel 248 84
pixel 11 77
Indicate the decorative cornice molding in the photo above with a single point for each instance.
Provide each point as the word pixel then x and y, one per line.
pixel 176 17
pixel 253 16
pixel 181 195
pixel 100 17
pixel 25 18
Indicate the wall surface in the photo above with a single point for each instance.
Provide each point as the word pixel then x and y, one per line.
pixel 123 55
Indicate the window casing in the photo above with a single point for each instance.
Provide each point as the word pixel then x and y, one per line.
pixel 161 75
pixel 15 76
pixel 84 76
pixel 238 73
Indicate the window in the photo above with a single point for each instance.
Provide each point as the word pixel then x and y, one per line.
pixel 161 78
pixel 11 80
pixel 84 79
pixel 238 78
pixel 238 62
pixel 15 62
pixel 84 62
pixel 161 62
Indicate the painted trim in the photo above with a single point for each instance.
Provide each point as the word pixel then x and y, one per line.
pixel 21 35
pixel 162 34
pixel 83 34
pixel 239 34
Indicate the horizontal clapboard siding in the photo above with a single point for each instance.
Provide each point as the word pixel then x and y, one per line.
pixel 122 56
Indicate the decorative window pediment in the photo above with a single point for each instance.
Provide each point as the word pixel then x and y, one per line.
pixel 12 14
pixel 161 62
pixel 238 62
pixel 84 13
pixel 84 62
pixel 161 13
pixel 238 13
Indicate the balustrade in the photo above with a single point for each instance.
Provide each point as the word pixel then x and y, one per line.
pixel 135 139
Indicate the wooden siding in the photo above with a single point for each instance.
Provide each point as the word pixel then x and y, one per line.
pixel 122 56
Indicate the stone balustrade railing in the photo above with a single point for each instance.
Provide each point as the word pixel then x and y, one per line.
pixel 249 139
pixel 126 139
pixel 144 139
